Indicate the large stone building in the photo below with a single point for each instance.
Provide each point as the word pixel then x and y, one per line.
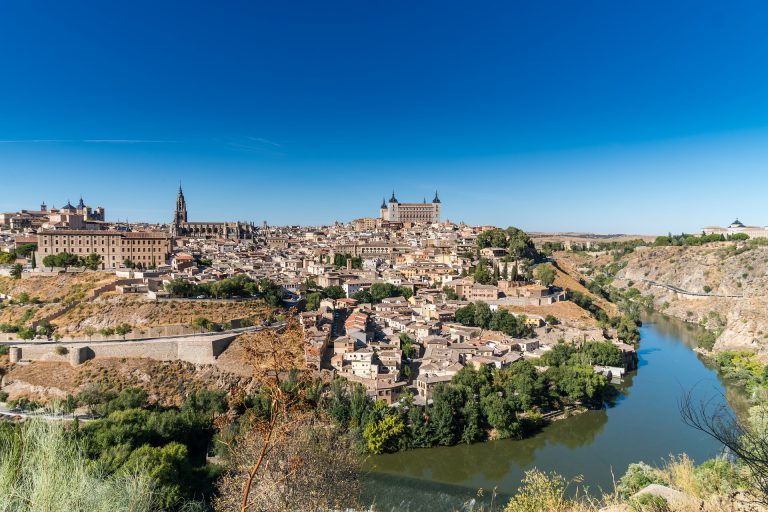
pixel 66 217
pixel 181 227
pixel 148 248
pixel 417 213
pixel 737 227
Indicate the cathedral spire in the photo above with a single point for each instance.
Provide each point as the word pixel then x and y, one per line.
pixel 436 199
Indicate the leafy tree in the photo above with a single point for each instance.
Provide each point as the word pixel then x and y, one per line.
pixel 483 315
pixel 202 323
pixel 7 257
pixel 450 293
pixel 447 403
pixel 627 330
pixel 474 428
pixel 16 271
pixel 382 435
pixel 92 261
pixel 62 259
pixel 501 415
pixel 334 292
pixel 25 333
pixel 123 330
pixel 406 346
pixel 466 315
pixel 313 301
pixel 545 273
pixel 167 466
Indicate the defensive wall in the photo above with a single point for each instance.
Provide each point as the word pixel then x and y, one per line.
pixel 193 349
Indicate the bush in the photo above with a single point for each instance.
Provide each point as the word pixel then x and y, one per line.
pixel 3 396
pixel 60 350
pixel 41 468
pixel 649 503
pixel 638 476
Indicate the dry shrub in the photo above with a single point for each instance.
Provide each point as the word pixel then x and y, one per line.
pixel 289 460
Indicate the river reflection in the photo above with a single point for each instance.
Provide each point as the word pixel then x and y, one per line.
pixel 643 423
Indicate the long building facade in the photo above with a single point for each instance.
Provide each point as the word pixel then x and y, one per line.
pixel 417 213
pixel 148 248
pixel 181 227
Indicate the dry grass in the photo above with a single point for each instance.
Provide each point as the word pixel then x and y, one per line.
pixel 60 288
pixel 140 312
pixel 166 382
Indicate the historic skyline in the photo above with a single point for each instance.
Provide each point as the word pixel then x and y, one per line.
pixel 264 110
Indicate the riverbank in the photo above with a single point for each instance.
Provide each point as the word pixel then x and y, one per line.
pixel 643 424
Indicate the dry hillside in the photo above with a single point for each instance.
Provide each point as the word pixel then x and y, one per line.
pixel 140 312
pixel 714 271
pixel 59 288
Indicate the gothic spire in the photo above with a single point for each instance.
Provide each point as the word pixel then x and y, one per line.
pixel 436 199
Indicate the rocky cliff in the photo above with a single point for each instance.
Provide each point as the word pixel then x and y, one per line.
pixel 723 286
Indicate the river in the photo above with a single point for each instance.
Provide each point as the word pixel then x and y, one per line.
pixel 644 424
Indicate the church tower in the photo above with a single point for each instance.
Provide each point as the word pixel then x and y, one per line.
pixel 181 209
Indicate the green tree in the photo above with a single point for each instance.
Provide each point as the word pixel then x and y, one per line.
pixel 92 261
pixel 545 273
pixel 167 466
pixel 334 292
pixel 123 330
pixel 450 293
pixel 313 301
pixel 16 271
pixel 382 435
pixel 483 315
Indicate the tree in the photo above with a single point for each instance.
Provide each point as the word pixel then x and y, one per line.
pixel 16 271
pixel 382 435
pixel 450 293
pixel 444 415
pixel 406 346
pixel 89 331
pixel 92 261
pixel 62 259
pixel 202 323
pixel 123 329
pixel 334 292
pixel 313 301
pixel 466 315
pixel 45 328
pixel 546 273
pixel 483 315
pixel 34 261
pixel 627 330
pixel 501 415
pixel 167 466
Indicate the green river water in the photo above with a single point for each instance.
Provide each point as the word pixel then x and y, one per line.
pixel 643 424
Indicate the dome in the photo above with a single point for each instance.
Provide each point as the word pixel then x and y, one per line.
pixel 736 224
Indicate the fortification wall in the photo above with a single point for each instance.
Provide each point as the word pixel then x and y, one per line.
pixel 196 350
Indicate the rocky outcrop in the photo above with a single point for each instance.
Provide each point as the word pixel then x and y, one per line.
pixel 723 286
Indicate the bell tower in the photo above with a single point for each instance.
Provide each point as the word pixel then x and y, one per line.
pixel 181 208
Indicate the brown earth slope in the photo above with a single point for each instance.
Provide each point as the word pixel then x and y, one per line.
pixel 138 312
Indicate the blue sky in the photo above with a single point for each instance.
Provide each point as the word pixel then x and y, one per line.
pixel 604 116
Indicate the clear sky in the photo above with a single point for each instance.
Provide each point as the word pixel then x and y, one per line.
pixel 605 116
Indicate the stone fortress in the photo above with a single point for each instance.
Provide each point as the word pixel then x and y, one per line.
pixel 418 213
